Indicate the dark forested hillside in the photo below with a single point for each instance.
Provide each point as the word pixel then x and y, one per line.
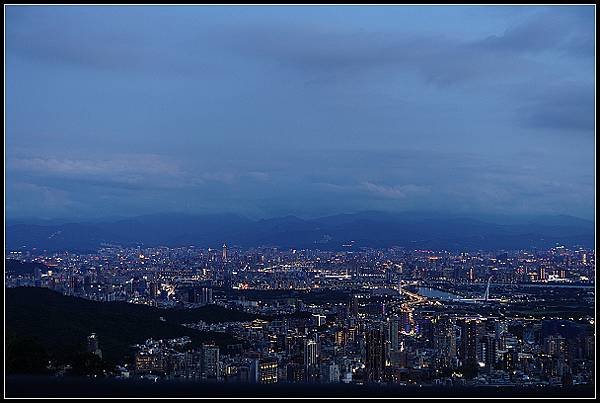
pixel 61 324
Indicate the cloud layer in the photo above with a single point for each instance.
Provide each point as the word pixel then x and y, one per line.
pixel 299 110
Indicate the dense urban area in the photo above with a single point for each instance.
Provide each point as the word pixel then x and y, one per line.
pixel 357 316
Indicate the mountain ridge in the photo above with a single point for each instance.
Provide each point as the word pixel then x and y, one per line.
pixel 368 229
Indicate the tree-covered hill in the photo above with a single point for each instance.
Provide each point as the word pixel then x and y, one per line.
pixel 61 324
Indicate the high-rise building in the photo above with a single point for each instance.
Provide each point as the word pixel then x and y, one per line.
pixel 444 341
pixel 267 371
pixel 148 362
pixel 295 372
pixel 542 274
pixel 490 351
pixel 554 345
pixel 353 306
pixel 87 282
pixel 93 345
pixel 318 319
pixel 389 276
pixel 153 289
pixel 375 349
pixel 394 330
pixel 311 360
pixel 330 372
pixel 200 295
pixel 73 284
pixel 192 294
pixel 37 277
pixel 207 295
pixel 468 343
pixel 340 338
pixel 210 361
pixel 226 274
pixel 510 360
pixel 406 320
pixel 588 347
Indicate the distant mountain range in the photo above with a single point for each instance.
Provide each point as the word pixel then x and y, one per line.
pixel 336 232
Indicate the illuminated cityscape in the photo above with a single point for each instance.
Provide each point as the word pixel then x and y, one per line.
pixel 356 316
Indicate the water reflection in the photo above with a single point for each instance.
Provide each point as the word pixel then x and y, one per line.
pixel 437 294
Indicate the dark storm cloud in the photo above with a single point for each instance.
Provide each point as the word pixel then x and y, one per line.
pixel 441 58
pixel 569 108
pixel 319 51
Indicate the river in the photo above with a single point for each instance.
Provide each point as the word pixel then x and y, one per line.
pixel 437 294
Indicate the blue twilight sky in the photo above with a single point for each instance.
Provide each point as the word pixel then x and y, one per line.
pixel 267 111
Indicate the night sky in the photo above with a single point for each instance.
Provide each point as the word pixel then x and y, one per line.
pixel 268 111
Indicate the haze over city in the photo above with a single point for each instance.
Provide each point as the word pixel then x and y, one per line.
pixel 309 111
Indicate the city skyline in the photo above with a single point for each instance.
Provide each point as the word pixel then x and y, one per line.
pixel 244 321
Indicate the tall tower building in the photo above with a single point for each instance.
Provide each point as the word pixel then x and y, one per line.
pixel 225 269
pixel 224 253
